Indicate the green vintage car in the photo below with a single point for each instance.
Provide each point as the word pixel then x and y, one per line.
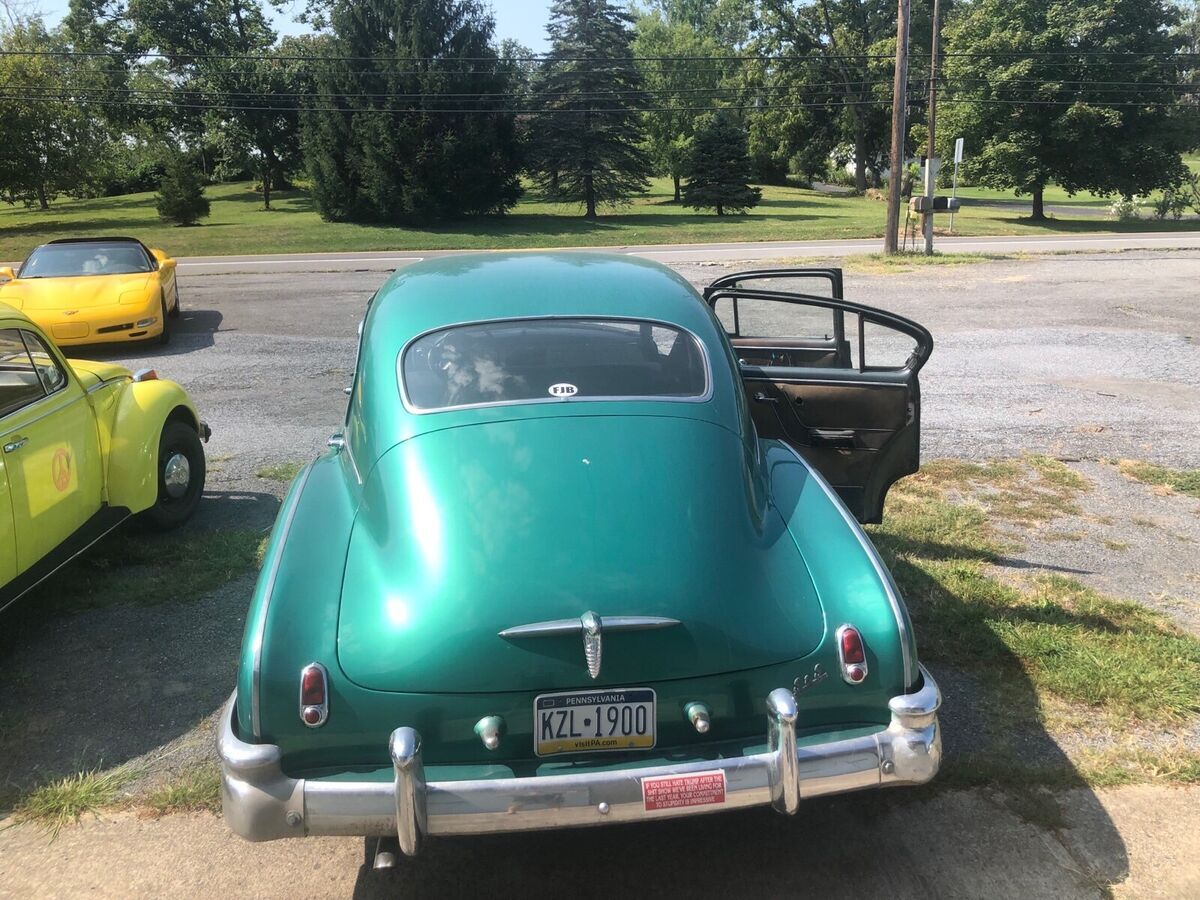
pixel 586 552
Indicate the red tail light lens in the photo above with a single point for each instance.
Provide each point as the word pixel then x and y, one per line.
pixel 314 695
pixel 852 655
pixel 852 646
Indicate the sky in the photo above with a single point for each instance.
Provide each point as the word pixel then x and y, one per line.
pixel 524 20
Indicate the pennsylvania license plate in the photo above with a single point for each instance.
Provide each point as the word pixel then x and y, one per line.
pixel 587 721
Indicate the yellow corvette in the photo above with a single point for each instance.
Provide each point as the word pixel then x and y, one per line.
pixel 95 290
pixel 84 446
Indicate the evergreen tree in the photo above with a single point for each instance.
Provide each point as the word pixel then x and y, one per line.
pixel 180 197
pixel 413 123
pixel 719 168
pixel 589 95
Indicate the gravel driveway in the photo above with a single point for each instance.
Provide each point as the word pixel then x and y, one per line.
pixel 1083 357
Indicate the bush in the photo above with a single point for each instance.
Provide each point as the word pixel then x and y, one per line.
pixel 1125 209
pixel 839 176
pixel 1171 203
pixel 180 197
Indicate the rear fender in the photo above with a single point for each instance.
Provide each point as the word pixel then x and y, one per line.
pixel 854 584
pixel 144 408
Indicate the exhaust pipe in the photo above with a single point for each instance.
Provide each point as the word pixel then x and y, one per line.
pixel 387 851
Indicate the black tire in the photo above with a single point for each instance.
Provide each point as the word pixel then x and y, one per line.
pixel 165 337
pixel 174 312
pixel 170 510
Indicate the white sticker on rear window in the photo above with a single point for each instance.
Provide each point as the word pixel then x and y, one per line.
pixel 562 389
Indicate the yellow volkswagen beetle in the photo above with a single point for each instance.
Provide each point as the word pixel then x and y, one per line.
pixel 95 290
pixel 84 446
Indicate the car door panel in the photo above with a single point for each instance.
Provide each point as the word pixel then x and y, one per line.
pixel 52 458
pixel 858 425
pixel 788 354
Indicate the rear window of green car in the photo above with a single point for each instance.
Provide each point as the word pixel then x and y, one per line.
pixel 552 359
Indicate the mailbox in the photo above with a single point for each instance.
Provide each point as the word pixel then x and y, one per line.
pixel 940 204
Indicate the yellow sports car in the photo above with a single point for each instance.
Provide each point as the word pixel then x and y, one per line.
pixel 84 446
pixel 95 290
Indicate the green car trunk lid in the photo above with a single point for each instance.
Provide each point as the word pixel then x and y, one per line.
pixel 469 531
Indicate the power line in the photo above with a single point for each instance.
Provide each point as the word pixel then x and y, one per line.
pixel 715 91
pixel 500 110
pixel 552 58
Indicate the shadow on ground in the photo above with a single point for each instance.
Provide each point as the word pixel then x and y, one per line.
pixel 193 330
pixel 101 686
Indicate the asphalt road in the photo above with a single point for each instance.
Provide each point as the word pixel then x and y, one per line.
pixel 689 253
pixel 1081 356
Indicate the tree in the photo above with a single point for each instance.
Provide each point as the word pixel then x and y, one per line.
pixel 589 94
pixel 180 197
pixel 413 123
pixel 50 143
pixel 258 109
pixel 676 83
pixel 1067 92
pixel 224 56
pixel 835 54
pixel 719 167
pixel 1188 34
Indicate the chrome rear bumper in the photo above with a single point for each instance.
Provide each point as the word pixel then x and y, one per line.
pixel 261 803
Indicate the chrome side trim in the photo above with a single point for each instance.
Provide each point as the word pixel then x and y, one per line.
pixel 889 585
pixel 45 413
pixel 108 381
pixel 262 803
pixel 256 676
pixel 556 627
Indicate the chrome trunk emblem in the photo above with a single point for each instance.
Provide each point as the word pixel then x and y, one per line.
pixel 590 626
pixel 592 642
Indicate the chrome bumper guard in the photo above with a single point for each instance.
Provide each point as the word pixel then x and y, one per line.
pixel 261 803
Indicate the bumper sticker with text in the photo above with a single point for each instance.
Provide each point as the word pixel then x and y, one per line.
pixel 677 791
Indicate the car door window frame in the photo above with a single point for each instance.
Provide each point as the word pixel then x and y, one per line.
pixel 923 340
pixel 45 348
pixel 6 412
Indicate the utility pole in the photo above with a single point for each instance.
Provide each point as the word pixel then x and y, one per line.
pixel 899 114
pixel 931 162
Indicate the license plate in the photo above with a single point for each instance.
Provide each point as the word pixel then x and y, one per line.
pixel 589 721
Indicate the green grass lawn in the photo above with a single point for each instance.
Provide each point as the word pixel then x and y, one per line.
pixel 239 225
pixel 1055 196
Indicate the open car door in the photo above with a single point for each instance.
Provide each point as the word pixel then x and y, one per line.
pixel 835 380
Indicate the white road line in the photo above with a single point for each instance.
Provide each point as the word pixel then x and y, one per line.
pixel 1048 242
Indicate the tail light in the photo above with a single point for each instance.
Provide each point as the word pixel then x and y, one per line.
pixel 852 655
pixel 314 695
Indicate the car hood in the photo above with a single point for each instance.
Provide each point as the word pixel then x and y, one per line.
pixel 466 532
pixel 32 294
pixel 91 372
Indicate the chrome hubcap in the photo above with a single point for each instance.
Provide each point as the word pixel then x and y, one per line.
pixel 177 474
